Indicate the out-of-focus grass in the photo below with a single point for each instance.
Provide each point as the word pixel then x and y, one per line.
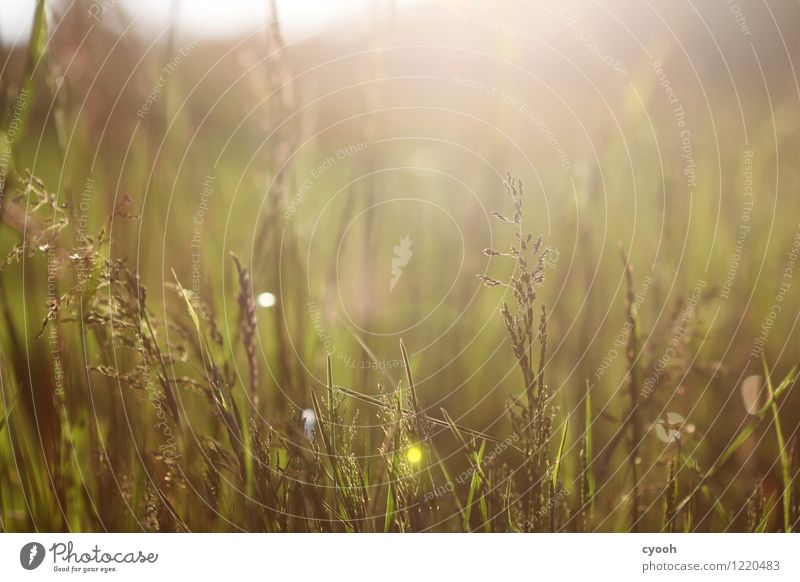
pixel 124 337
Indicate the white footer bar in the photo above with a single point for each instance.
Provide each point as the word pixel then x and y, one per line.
pixel 423 557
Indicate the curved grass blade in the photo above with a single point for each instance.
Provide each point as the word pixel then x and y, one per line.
pixel 418 415
pixel 786 469
pixel 560 455
pixel 9 410
pixel 741 438
pixel 473 486
pixel 38 42
pixel 431 419
pixel 389 517
pixel 588 449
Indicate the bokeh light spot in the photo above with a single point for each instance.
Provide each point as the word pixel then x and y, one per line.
pixel 266 300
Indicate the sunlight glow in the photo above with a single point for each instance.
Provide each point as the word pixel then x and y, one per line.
pixel 414 455
pixel 266 300
pixel 208 18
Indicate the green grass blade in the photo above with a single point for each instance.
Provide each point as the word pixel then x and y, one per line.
pixel 782 387
pixel 741 438
pixel 762 525
pixel 449 482
pixel 588 437
pixel 332 459
pixel 487 524
pixel 332 419
pixel 786 470
pixel 454 429
pixel 474 485
pixel 38 37
pixel 367 467
pixel 560 455
pixel 4 420
pixel 389 518
pixel 38 42
pixel 417 410
pixel 716 504
pixel 507 503
pixel 432 420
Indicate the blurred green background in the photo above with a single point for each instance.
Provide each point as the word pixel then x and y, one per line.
pixel 668 132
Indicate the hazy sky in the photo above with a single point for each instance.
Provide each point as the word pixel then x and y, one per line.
pixel 218 17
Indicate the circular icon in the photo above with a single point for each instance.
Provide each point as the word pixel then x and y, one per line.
pixel 31 555
pixel 668 430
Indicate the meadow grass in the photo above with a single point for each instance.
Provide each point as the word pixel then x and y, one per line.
pixel 132 399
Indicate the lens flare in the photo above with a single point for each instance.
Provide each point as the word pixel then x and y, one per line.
pixel 266 299
pixel 414 455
